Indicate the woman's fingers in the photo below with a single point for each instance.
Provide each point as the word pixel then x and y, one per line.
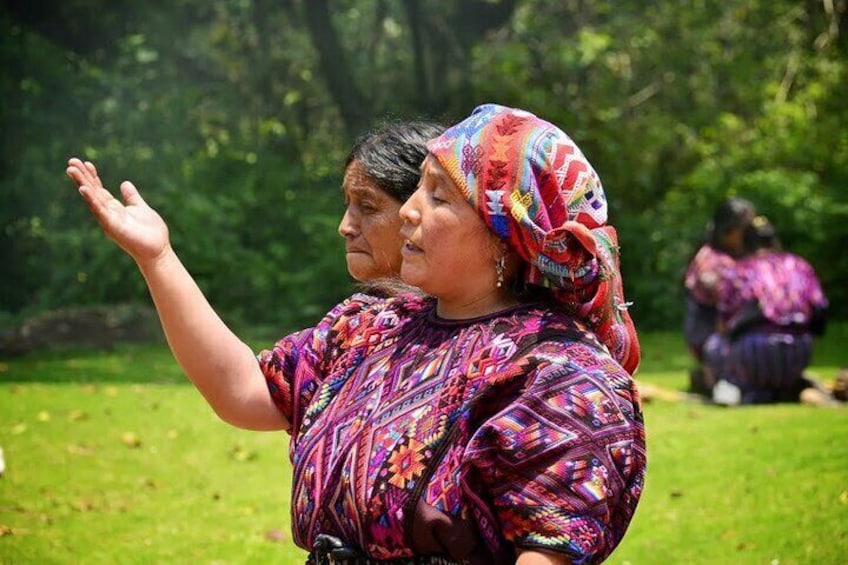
pixel 81 177
pixel 131 195
pixel 84 173
pixel 99 200
pixel 89 166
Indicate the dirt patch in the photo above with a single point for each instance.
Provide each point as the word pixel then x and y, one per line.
pixel 98 327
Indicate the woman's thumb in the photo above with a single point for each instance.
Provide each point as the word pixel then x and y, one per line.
pixel 130 194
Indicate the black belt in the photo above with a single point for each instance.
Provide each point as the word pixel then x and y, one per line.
pixel 330 550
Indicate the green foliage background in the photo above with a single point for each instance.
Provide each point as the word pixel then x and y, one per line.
pixel 234 117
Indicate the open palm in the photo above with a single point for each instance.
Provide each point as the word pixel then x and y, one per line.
pixel 136 227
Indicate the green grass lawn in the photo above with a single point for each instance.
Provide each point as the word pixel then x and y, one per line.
pixel 112 458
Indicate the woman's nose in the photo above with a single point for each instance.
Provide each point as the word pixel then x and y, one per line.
pixel 409 211
pixel 347 228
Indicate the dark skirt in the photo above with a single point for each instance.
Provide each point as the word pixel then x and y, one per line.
pixel 698 324
pixel 767 366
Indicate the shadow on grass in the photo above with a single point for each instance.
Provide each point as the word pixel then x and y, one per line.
pixel 125 364
pixel 151 363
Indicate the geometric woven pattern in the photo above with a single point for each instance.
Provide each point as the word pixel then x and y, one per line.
pixel 519 424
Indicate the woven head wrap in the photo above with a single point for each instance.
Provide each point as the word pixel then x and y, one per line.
pixel 535 189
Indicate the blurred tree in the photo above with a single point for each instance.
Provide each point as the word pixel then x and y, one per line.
pixel 233 117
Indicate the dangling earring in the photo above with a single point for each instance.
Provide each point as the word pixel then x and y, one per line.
pixel 500 267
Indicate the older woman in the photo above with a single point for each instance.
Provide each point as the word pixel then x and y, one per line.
pixel 381 171
pixel 492 422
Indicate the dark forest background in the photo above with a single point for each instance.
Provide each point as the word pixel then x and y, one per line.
pixel 233 117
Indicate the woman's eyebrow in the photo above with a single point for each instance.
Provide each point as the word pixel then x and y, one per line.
pixel 360 191
pixel 437 173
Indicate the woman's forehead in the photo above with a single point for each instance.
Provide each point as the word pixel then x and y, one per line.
pixel 358 182
pixel 435 171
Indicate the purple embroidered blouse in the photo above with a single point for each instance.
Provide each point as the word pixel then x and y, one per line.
pixel 415 435
pixel 704 274
pixel 782 284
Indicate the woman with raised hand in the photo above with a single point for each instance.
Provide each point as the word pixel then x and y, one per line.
pixel 492 420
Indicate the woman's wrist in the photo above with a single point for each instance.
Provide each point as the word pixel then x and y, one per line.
pixel 163 262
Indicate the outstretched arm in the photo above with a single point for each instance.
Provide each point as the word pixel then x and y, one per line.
pixel 221 366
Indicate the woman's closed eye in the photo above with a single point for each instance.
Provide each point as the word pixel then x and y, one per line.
pixel 438 196
pixel 367 207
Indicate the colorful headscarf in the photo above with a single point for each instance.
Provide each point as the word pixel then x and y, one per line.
pixel 535 189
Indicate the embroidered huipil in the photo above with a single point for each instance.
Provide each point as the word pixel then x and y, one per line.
pixel 414 435
pixel 704 274
pixel 783 285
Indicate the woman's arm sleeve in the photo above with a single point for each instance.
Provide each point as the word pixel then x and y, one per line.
pixel 564 463
pixel 298 363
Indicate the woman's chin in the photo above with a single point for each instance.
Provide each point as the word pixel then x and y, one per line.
pixel 361 269
pixel 411 276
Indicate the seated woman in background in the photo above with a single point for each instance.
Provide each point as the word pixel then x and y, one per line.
pixel 724 245
pixel 769 308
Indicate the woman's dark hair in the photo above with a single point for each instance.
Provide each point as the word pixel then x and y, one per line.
pixel 731 214
pixel 392 155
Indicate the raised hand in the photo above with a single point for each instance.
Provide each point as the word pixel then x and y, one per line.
pixel 136 227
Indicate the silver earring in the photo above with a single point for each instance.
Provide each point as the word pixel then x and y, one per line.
pixel 500 267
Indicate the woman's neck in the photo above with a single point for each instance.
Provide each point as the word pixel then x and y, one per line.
pixel 465 307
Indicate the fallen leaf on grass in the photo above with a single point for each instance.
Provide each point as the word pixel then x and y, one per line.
pixel 83 506
pixel 77 415
pixel 5 531
pixel 130 439
pixel 80 449
pixel 239 453
pixel 843 497
pixel 276 535
pixel 150 483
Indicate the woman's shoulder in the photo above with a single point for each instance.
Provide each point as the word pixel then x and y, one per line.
pixel 552 329
pixel 551 348
pixel 363 306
